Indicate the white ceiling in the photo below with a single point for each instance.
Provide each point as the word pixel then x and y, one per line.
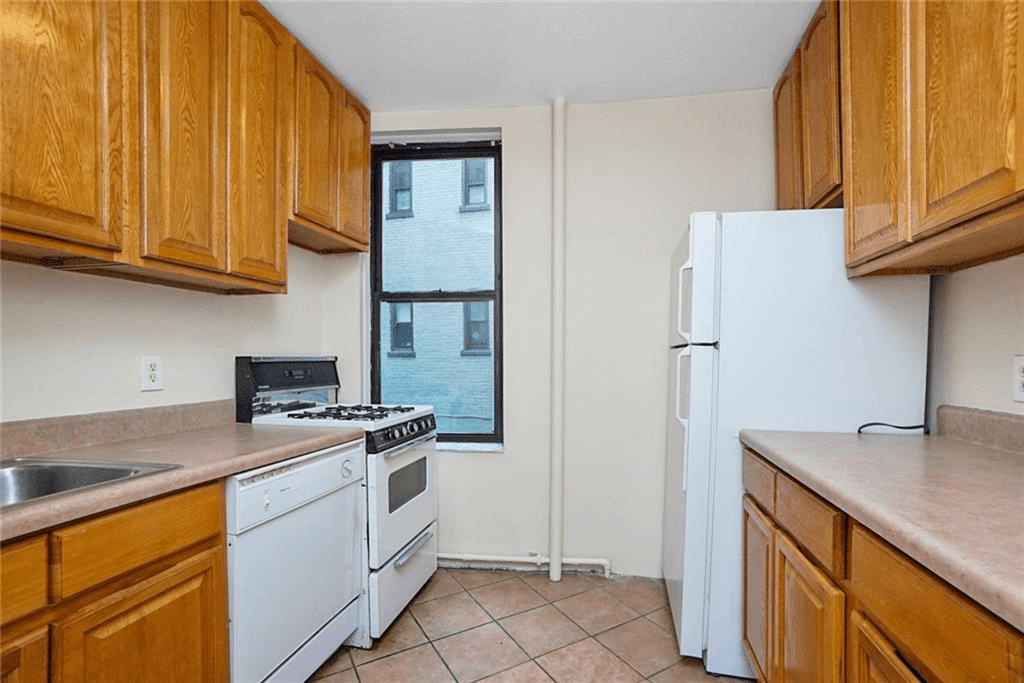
pixel 425 55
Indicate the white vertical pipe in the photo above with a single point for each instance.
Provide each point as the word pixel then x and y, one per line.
pixel 557 336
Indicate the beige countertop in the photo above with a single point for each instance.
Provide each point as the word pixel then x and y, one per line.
pixel 955 507
pixel 205 455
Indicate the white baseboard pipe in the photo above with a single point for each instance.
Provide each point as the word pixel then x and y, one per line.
pixel 535 559
pixel 557 441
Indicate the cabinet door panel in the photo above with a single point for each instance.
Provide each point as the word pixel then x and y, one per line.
pixel 819 95
pixel 355 195
pixel 62 106
pixel 258 124
pixel 872 658
pixel 184 58
pixel 789 192
pixel 171 627
pixel 319 100
pixel 874 129
pixel 966 113
pixel 758 610
pixel 26 659
pixel 810 619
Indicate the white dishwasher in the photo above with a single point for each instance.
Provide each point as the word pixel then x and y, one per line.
pixel 294 564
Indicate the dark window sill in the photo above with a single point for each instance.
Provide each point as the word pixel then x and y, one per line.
pixel 470 208
pixel 401 354
pixel 476 352
pixel 398 214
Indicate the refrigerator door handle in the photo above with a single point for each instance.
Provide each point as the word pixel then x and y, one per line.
pixel 683 298
pixel 683 419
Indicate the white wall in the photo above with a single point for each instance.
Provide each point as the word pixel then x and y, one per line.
pixel 977 328
pixel 73 343
pixel 635 172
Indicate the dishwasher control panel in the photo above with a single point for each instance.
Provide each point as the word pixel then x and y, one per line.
pixel 259 495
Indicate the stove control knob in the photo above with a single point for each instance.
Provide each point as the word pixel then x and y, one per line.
pixel 346 469
pixel 413 427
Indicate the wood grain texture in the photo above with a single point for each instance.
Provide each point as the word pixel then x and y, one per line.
pixel 874 132
pixel 355 186
pixel 259 122
pixel 88 553
pixel 319 102
pixel 758 595
pixel 183 54
pixel 943 634
pixel 814 524
pixel 810 643
pixel 870 657
pixel 819 97
pixel 170 627
pixel 789 193
pixel 759 480
pixel 61 110
pixel 26 659
pixel 22 578
pixel 966 149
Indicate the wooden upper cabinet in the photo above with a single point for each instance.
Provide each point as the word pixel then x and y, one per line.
pixel 183 57
pixel 62 107
pixel 819 97
pixel 355 194
pixel 789 192
pixel 967 109
pixel 319 101
pixel 874 130
pixel 259 121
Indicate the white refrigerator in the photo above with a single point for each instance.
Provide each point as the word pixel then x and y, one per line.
pixel 767 333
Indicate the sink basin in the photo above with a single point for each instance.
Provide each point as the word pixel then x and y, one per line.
pixel 25 480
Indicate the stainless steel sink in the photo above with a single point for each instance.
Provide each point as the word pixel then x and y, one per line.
pixel 25 480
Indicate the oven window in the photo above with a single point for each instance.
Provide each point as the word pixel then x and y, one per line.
pixel 406 483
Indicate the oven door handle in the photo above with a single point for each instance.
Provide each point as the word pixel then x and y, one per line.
pixel 407 555
pixel 407 445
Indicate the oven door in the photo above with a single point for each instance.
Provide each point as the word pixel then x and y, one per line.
pixel 402 496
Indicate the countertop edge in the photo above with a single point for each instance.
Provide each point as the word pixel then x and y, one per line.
pixel 1003 599
pixel 41 515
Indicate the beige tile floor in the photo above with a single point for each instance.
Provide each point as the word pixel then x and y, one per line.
pixel 510 627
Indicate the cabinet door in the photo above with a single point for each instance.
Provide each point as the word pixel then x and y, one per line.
pixel 259 120
pixel 872 658
pixel 25 660
pixel 183 75
pixel 789 192
pixel 171 627
pixel 875 149
pixel 809 622
pixel 819 96
pixel 319 100
pixel 355 192
pixel 62 107
pixel 966 113
pixel 758 611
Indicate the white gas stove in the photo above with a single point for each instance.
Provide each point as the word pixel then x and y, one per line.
pixel 400 548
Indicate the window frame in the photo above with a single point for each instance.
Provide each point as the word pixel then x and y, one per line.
pixel 394 188
pixel 381 154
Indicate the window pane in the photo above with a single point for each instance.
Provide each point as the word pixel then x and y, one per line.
pixel 439 247
pixel 477 195
pixel 403 200
pixel 459 386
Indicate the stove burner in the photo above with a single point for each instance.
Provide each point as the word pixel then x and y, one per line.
pixel 355 413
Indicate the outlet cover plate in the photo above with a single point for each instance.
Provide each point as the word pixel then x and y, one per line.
pixel 152 373
pixel 1018 379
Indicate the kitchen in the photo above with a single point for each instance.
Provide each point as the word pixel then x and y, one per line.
pixel 71 343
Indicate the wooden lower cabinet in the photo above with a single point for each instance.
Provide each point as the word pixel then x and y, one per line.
pixel 25 659
pixel 809 620
pixel 165 628
pixel 758 553
pixel 872 658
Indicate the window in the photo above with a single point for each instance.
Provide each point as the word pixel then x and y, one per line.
pixel 435 326
pixel 401 330
pixel 476 332
pixel 474 185
pixel 400 186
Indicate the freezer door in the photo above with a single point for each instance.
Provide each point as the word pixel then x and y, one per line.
pixel 687 482
pixel 694 288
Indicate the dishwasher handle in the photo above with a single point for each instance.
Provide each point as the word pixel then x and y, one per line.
pixel 411 550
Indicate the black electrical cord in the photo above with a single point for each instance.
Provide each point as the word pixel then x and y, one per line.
pixel 860 430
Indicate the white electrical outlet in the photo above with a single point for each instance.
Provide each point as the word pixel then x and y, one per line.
pixel 152 373
pixel 1018 379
